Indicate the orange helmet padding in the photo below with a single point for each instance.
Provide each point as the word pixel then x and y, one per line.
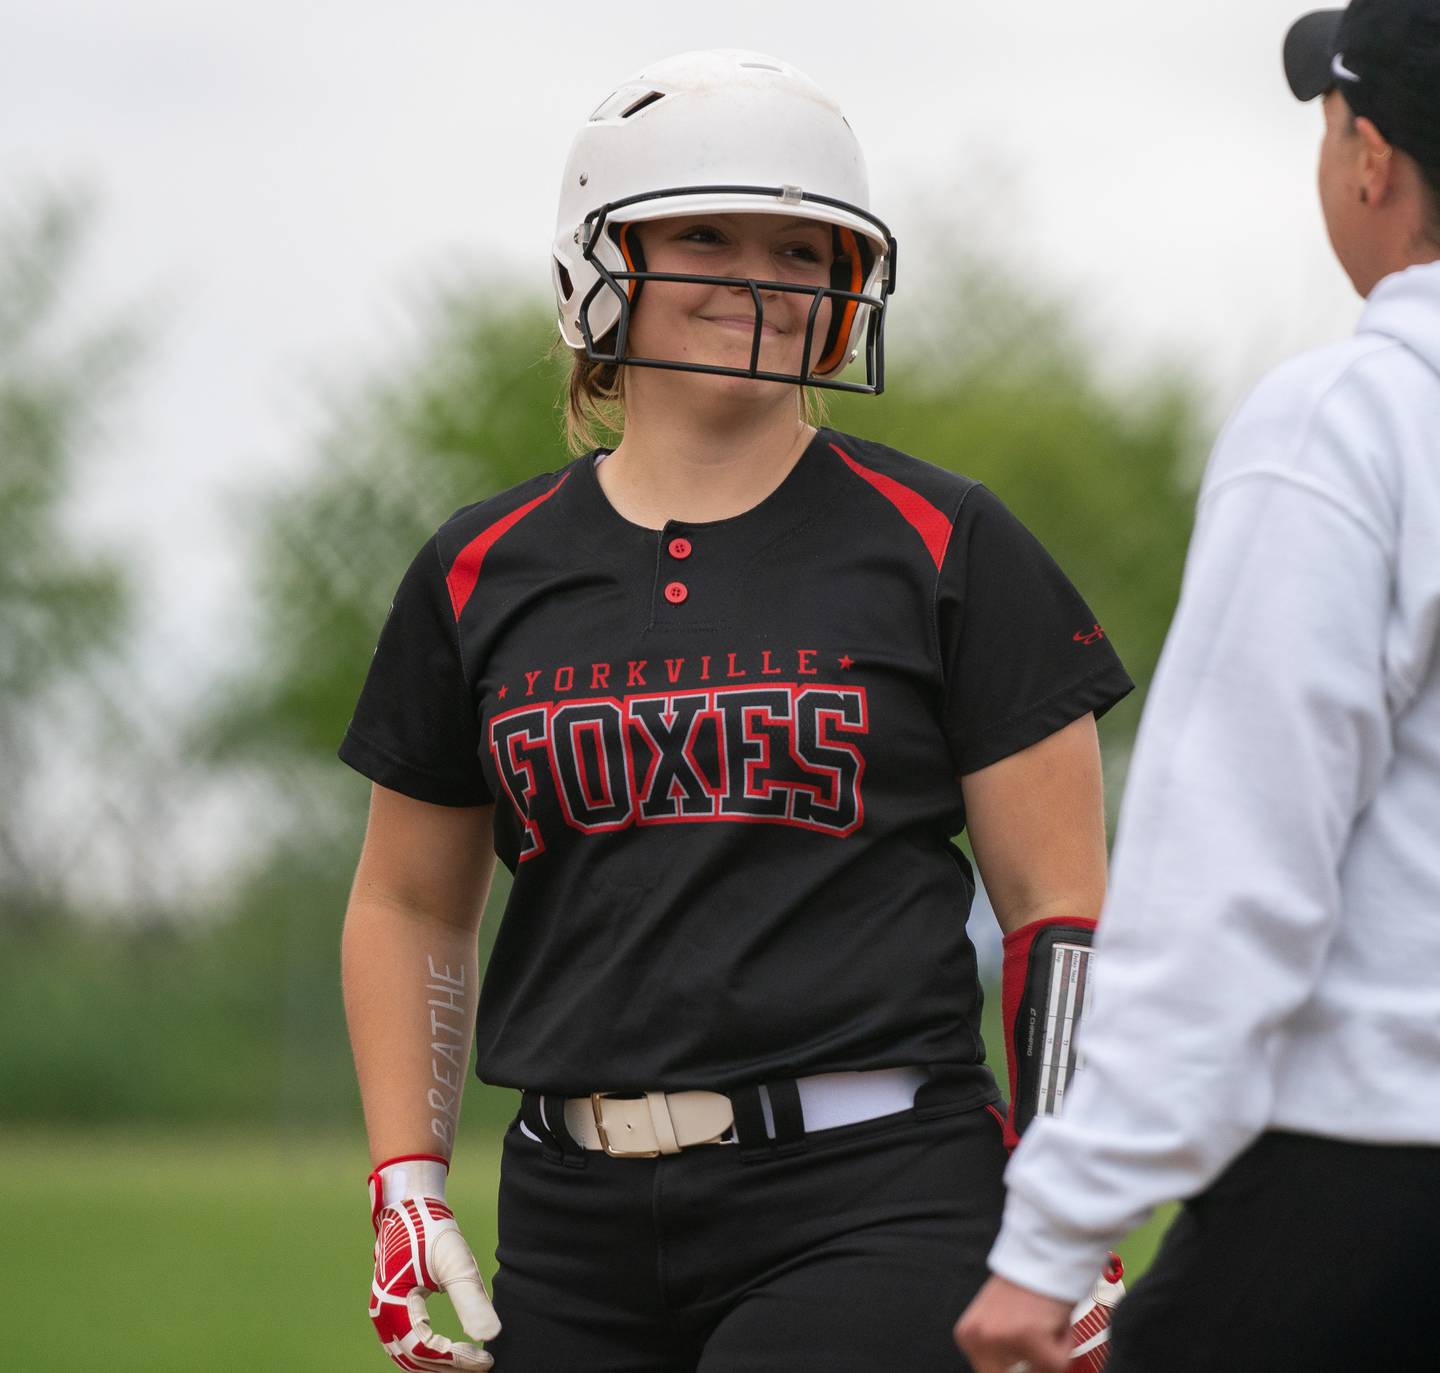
pixel 633 257
pixel 847 250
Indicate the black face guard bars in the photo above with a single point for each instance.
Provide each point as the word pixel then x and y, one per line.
pixel 617 282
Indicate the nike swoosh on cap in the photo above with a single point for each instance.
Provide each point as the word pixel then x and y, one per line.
pixel 1341 70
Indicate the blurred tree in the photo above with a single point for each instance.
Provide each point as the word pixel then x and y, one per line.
pixel 474 413
pixel 240 1019
pixel 63 607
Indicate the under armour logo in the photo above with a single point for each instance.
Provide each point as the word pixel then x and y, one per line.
pixel 1089 636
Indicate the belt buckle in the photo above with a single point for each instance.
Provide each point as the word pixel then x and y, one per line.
pixel 597 1109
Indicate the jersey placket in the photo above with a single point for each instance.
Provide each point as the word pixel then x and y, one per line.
pixel 688 591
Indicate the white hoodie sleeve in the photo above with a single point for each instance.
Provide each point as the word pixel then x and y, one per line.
pixel 1265 732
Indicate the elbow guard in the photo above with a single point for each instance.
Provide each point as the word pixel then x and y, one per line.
pixel 1044 991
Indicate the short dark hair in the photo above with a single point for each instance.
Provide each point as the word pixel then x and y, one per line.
pixel 1430 176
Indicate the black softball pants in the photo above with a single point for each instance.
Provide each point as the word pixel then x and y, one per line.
pixel 1306 1255
pixel 856 1252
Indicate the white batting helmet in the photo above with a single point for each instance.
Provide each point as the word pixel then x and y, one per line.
pixel 720 131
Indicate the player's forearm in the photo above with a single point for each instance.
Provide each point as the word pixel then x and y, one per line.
pixel 1081 905
pixel 410 985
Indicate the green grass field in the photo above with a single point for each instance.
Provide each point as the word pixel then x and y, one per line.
pixel 131 1252
pixel 136 1252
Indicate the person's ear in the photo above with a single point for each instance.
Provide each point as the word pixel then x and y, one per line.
pixel 1377 163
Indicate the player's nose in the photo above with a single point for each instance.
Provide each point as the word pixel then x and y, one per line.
pixel 753 261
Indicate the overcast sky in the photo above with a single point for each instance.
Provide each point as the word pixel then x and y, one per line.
pixel 281 178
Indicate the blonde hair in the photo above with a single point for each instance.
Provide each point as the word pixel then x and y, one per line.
pixel 595 399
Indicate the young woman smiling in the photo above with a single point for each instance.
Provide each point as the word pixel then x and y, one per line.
pixel 719 699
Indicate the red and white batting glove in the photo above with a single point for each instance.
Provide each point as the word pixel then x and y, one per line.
pixel 1090 1320
pixel 419 1250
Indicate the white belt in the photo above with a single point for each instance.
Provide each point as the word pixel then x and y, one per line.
pixel 667 1122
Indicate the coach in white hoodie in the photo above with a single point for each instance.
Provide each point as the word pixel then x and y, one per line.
pixel 1266 1036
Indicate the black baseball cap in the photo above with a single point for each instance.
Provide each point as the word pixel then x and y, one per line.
pixel 1384 58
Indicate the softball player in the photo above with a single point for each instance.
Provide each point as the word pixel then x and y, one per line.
pixel 1268 1040
pixel 718 699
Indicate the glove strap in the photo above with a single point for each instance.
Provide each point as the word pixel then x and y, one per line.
pixel 403 1177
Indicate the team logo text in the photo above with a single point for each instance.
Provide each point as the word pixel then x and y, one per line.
pixel 780 754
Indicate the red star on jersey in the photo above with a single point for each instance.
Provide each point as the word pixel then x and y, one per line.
pixel 847 661
pixel 502 691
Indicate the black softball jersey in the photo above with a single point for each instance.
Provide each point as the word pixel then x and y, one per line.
pixel 725 759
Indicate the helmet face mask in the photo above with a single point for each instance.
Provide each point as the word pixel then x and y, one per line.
pixel 821 357
pixel 637 161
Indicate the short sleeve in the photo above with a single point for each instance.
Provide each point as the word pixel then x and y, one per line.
pixel 415 728
pixel 1022 653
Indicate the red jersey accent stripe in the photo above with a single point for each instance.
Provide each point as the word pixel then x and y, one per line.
pixel 931 525
pixel 465 570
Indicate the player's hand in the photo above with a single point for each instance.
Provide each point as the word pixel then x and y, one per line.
pixel 1008 1327
pixel 419 1250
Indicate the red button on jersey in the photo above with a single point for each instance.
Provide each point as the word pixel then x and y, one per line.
pixel 679 548
pixel 676 592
